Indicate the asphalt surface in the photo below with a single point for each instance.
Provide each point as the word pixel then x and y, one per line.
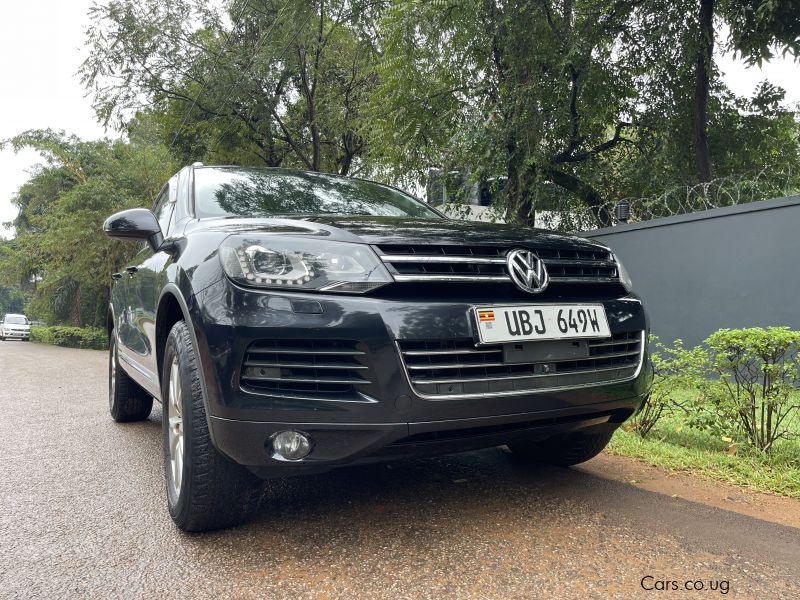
pixel 82 515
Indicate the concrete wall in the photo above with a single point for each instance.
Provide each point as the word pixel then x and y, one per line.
pixel 727 267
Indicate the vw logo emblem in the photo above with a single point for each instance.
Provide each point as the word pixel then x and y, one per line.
pixel 527 270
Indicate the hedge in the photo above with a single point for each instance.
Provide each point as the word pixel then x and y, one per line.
pixel 746 383
pixel 94 338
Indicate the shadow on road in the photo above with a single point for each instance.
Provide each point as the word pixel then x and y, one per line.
pixel 438 500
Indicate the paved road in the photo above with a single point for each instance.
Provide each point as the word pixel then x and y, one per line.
pixel 82 516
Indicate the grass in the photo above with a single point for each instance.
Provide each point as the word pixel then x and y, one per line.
pixel 672 444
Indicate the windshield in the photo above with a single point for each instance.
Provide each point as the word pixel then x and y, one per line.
pixel 15 320
pixel 282 192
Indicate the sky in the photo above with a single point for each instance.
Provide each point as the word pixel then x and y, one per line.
pixel 40 52
pixel 41 48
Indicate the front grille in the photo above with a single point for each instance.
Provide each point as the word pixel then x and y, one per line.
pixel 411 262
pixel 303 366
pixel 459 368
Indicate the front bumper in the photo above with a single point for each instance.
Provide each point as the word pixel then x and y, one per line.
pixel 387 418
pixel 16 334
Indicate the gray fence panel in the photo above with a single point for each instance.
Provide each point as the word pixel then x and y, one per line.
pixel 737 266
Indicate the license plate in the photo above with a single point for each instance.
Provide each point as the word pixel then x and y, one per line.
pixel 541 322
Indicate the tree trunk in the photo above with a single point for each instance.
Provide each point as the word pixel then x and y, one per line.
pixel 311 109
pixel 526 208
pixel 347 157
pixel 704 60
pixel 516 192
pixel 77 313
pixel 316 145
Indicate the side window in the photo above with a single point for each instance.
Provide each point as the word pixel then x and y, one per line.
pixel 165 205
pixel 173 189
pixel 183 194
pixel 173 213
pixel 163 211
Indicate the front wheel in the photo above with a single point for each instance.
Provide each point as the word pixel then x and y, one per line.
pixel 205 490
pixel 126 400
pixel 563 450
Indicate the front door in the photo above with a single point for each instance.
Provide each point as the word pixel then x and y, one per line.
pixel 143 283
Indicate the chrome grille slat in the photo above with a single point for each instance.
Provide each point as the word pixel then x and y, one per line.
pixel 612 342
pixel 501 364
pixel 456 368
pixel 584 279
pixel 531 376
pixel 580 262
pixel 298 351
pixel 455 365
pixel 279 365
pixel 453 263
pixel 353 381
pixel 451 278
pixel 436 352
pixel 441 259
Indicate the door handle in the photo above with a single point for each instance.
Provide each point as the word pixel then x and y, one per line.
pixel 131 270
pixel 116 276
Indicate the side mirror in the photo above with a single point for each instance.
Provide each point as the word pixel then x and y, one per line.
pixel 134 224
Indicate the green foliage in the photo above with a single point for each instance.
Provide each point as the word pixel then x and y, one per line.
pixel 742 427
pixel 93 338
pixel 759 27
pixel 676 369
pixel 274 82
pixel 759 379
pixel 12 299
pixel 744 385
pixel 59 252
pixel 578 104
pixel 535 91
pixel 675 446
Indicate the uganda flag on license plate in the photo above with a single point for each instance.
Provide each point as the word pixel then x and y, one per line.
pixel 485 315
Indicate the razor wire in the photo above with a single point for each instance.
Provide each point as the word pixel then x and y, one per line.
pixel 556 210
pixel 677 200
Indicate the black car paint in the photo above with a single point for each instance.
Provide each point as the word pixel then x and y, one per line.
pixel 184 271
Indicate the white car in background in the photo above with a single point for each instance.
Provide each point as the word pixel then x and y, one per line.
pixel 15 327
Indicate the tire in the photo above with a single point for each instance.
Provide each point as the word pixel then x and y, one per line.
pixel 212 492
pixel 127 402
pixel 563 450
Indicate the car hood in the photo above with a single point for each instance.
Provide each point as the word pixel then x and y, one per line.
pixel 394 230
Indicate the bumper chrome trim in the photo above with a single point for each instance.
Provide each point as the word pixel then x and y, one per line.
pixel 406 371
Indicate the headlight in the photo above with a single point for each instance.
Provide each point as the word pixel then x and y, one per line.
pixel 624 277
pixel 302 264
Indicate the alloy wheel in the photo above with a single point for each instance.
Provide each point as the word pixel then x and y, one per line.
pixel 175 420
pixel 112 373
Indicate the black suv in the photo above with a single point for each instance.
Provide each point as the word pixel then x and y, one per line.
pixel 291 322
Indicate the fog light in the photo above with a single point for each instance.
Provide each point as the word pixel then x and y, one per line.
pixel 291 445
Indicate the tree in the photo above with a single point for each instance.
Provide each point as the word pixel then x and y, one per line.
pixel 704 57
pixel 12 299
pixel 59 245
pixel 533 90
pixel 273 82
pixel 756 28
pixel 577 103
